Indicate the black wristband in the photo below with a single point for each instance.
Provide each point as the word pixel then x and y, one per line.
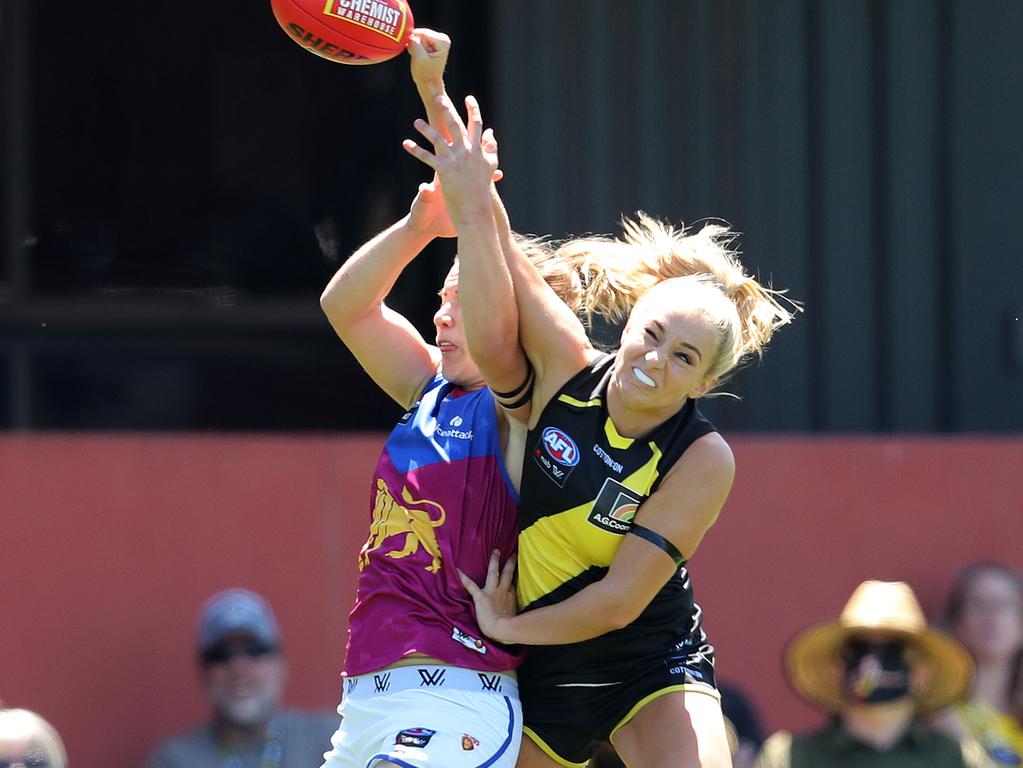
pixel 526 396
pixel 527 382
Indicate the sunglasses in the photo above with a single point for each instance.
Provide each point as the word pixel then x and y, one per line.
pixel 856 648
pixel 221 654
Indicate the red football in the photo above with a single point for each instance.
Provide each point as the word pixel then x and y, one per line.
pixel 347 31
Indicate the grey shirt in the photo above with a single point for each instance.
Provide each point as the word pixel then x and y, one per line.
pixel 306 738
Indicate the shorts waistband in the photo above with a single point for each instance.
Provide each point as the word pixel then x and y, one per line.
pixel 429 677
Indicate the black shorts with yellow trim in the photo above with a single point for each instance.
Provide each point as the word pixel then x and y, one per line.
pixel 569 718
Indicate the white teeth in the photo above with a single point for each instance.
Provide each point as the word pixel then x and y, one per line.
pixel 643 377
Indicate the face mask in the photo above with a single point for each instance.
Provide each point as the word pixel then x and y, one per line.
pixel 875 672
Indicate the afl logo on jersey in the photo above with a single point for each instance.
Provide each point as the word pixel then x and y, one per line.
pixel 556 454
pixel 560 447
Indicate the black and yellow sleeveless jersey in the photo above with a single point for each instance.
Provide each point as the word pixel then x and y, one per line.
pixel 582 484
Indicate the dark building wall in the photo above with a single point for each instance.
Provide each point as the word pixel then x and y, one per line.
pixel 171 215
pixel 869 152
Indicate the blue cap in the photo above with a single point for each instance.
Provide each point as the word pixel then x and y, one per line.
pixel 235 611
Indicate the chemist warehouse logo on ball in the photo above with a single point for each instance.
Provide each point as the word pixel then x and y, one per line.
pixel 380 17
pixel 557 454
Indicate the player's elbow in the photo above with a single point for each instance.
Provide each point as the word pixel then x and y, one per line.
pixel 342 311
pixel 620 612
pixel 614 620
pixel 495 343
pixel 328 301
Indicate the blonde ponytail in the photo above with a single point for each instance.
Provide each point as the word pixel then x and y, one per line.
pixel 603 275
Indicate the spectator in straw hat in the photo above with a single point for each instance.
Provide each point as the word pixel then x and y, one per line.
pixel 877 668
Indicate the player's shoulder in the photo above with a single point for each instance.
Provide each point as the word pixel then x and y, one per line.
pixel 713 449
pixel 708 458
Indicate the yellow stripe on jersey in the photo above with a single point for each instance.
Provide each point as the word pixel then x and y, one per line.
pixel 580 403
pixel 643 479
pixel 613 438
pixel 551 552
pixel 557 548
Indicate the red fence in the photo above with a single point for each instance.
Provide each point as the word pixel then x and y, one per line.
pixel 108 545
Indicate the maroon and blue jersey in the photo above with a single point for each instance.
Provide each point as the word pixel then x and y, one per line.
pixel 440 501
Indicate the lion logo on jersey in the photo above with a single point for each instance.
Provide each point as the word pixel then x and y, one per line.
pixel 413 521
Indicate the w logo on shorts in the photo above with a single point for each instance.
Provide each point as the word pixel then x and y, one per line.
pixel 431 678
pixel 381 682
pixel 490 682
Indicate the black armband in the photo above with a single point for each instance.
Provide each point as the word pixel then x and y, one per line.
pixel 660 542
pixel 521 393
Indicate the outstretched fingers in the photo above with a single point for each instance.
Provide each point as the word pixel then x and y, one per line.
pixel 470 586
pixel 475 129
pixel 452 120
pixel 419 153
pixel 431 134
pixel 508 574
pixel 493 570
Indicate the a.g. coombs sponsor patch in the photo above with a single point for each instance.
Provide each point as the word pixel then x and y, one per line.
pixel 614 507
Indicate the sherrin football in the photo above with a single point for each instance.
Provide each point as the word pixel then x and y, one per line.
pixel 347 31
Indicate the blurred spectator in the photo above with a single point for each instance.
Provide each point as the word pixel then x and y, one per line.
pixel 877 668
pixel 742 718
pixel 28 741
pixel 242 669
pixel 741 722
pixel 985 612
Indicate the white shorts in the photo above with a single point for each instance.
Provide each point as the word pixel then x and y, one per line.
pixel 428 717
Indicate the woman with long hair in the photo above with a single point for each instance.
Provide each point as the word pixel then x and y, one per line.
pixel 622 475
pixel 985 612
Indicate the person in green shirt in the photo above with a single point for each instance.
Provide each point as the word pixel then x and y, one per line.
pixel 878 669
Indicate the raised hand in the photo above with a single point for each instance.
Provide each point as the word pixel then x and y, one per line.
pixel 428 51
pixel 467 164
pixel 429 213
pixel 495 601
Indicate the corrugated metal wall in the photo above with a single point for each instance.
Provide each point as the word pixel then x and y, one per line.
pixel 871 153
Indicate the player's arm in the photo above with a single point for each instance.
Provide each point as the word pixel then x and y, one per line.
pixel 428 51
pixel 550 333
pixel 678 514
pixel 488 309
pixel 466 166
pixel 384 342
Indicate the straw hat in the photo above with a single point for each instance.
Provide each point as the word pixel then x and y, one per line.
pixel 878 606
